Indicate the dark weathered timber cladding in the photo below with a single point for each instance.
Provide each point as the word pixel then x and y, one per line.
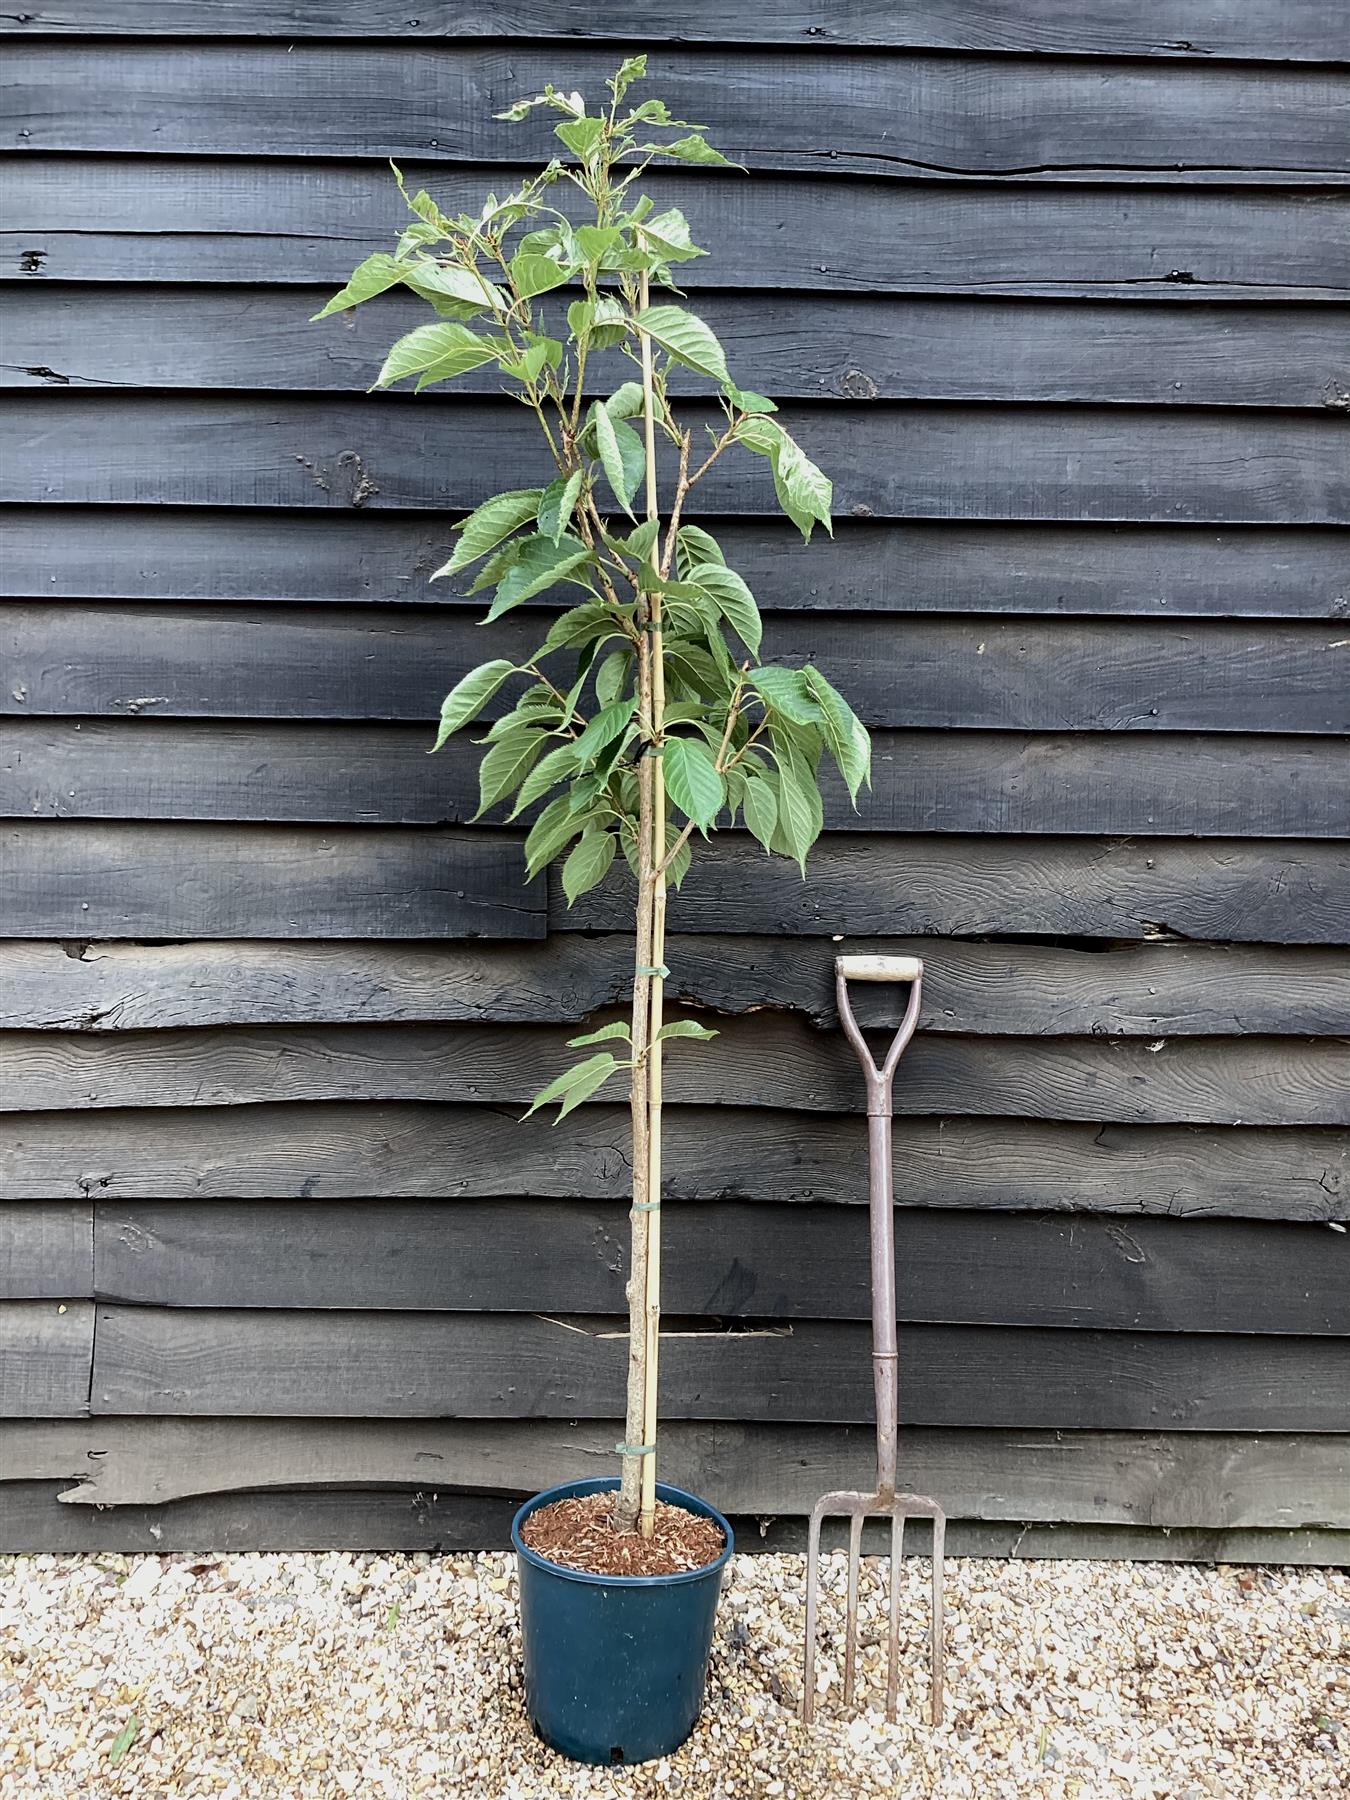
pixel 984 672
pixel 908 347
pixel 1057 294
pixel 937 116
pixel 296 222
pixel 1271 31
pixel 762 1261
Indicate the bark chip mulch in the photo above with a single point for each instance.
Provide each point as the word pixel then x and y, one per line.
pixel 580 1534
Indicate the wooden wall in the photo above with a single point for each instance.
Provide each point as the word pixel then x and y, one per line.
pixel 1057 296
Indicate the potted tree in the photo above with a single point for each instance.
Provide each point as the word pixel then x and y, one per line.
pixel 644 719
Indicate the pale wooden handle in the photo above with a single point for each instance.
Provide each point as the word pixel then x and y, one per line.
pixel 879 968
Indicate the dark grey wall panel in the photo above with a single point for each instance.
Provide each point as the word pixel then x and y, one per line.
pixel 935 115
pixel 46 1352
pixel 1009 990
pixel 192 881
pixel 1161 1479
pixel 754 1061
pixel 1295 30
pixel 1032 463
pixel 46 1250
pixel 163 553
pixel 734 1261
pixel 838 347
pixel 412 1365
pixel 222 220
pixel 925 671
pixel 1171 784
pixel 84 880
pixel 349 1150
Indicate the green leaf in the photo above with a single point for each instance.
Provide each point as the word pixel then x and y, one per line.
pixel 639 543
pixel 430 344
pixel 692 781
pixel 595 242
pixel 686 338
pixel 799 809
pixel 582 136
pixel 576 1084
pixel 557 504
pixel 678 867
pixel 611 675
pixel 693 545
pixel 844 732
pixel 470 695
pixel 540 564
pixel 602 321
pixel 631 69
pixel 668 232
pixel 604 1035
pixel 588 864
pixel 456 283
pixel 373 276
pixel 125 1738
pixel 505 766
pixel 786 691
pixel 733 600
pixel 556 825
pixel 488 524
pixel 746 401
pixel 685 1028
pixel 804 493
pixel 536 274
pixel 622 477
pixel 760 806
pixel 694 149
pixel 763 436
pixel 459 362
pixel 625 402
pixel 583 624
pixel 555 767
pixel 609 723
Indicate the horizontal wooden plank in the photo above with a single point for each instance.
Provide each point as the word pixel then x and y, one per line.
pixel 436 1523
pixel 341 1150
pixel 931 672
pixel 1000 989
pixel 86 881
pixel 46 1250
pixel 846 347
pixel 1298 31
pixel 64 880
pixel 768 1262
pixel 755 1061
pixel 1033 462
pixel 1171 1480
pixel 46 1351
pixel 1173 784
pixel 989 886
pixel 120 218
pixel 197 554
pixel 159 1360
pixel 909 116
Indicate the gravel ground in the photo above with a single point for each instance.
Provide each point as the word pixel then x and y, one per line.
pixel 318 1677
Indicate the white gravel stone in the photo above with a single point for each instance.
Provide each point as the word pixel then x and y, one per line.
pixel 249 1677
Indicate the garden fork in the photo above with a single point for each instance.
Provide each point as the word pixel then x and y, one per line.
pixel 885 1502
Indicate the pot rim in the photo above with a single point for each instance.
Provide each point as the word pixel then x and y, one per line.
pixel 565 1490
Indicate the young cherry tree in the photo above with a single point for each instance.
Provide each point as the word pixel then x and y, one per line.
pixel 645 717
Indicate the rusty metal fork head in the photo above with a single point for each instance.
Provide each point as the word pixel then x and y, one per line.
pixel 856 1508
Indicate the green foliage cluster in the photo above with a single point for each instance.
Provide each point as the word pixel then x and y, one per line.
pixel 557 298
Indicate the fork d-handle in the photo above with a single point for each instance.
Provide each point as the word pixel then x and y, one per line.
pixel 881 1185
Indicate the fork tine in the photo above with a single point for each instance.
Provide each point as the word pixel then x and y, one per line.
pixel 936 1644
pixel 812 1577
pixel 851 1624
pixel 893 1660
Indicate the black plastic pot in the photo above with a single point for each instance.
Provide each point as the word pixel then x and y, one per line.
pixel 615 1665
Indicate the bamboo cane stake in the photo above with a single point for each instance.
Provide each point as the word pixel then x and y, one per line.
pixel 652 1320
